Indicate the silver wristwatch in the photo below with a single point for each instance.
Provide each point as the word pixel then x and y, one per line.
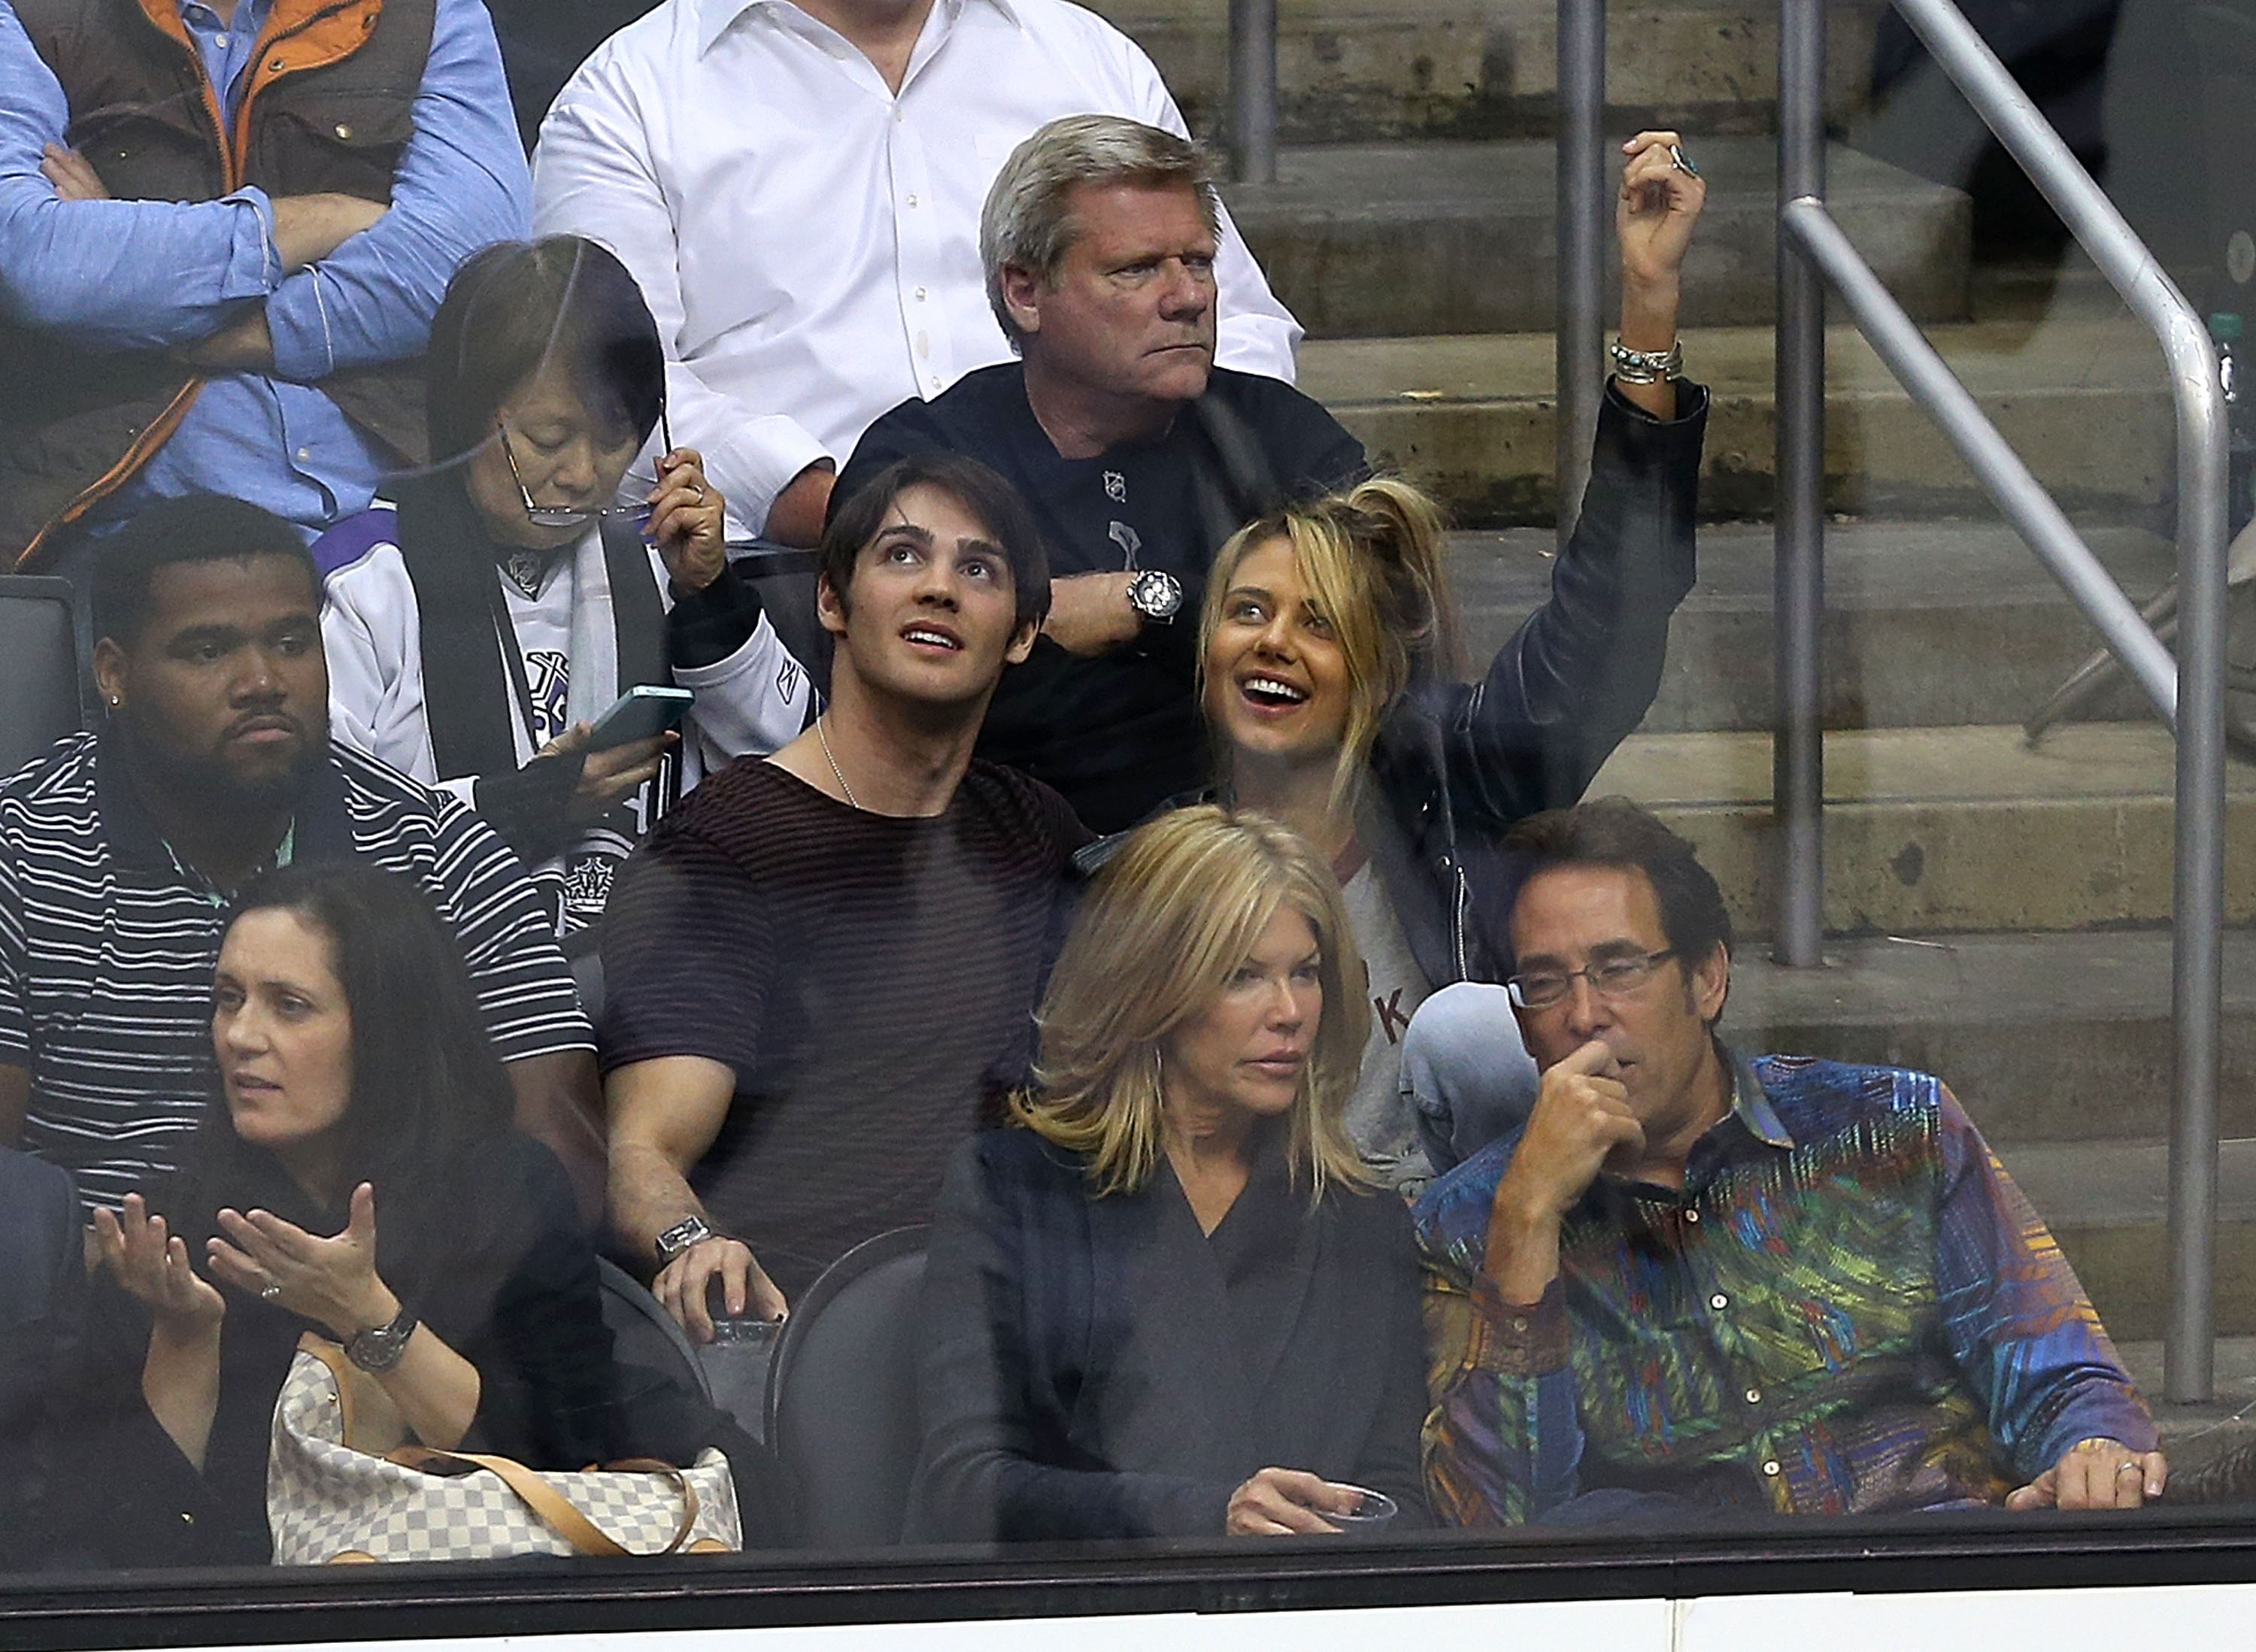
pixel 1156 596
pixel 690 1230
pixel 378 1349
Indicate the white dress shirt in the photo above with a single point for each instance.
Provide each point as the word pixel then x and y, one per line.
pixel 808 240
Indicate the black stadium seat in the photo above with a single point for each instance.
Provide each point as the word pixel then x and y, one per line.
pixel 38 667
pixel 842 1395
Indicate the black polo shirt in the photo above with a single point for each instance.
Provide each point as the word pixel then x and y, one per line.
pixel 1120 734
pixel 108 942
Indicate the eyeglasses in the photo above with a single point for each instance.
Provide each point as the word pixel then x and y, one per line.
pixel 1609 979
pixel 568 516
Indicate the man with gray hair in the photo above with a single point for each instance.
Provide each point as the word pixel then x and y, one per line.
pixel 795 185
pixel 1139 456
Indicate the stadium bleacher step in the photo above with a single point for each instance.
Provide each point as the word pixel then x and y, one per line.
pixel 1400 239
pixel 2082 398
pixel 1949 830
pixel 1355 70
pixel 1927 623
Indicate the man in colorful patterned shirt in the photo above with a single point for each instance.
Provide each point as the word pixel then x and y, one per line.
pixel 1692 1280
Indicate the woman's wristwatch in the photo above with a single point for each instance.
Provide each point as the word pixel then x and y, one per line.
pixel 377 1349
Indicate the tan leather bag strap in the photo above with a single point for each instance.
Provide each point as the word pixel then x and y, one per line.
pixel 550 1505
pixel 333 1355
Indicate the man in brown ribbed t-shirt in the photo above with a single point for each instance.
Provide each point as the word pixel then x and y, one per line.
pixel 823 967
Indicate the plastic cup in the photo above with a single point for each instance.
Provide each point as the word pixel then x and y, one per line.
pixel 1371 1515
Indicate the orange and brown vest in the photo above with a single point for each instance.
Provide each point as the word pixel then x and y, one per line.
pixel 327 105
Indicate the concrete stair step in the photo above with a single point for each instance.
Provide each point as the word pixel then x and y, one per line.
pixel 2195 1433
pixel 1351 70
pixel 2045 1039
pixel 2108 1203
pixel 1948 830
pixel 2082 399
pixel 1926 622
pixel 1373 240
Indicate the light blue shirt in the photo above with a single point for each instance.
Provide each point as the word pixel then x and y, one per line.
pixel 152 274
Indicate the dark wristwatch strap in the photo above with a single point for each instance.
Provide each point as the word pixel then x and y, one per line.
pixel 378 1349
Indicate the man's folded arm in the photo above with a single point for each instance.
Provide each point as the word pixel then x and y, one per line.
pixel 113 274
pixel 462 184
pixel 593 176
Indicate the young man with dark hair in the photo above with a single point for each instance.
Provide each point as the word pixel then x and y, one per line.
pixel 1692 1280
pixel 822 968
pixel 118 853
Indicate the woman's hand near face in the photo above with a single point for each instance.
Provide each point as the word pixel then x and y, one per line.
pixel 1278 1502
pixel 332 1281
pixel 686 520
pixel 153 1266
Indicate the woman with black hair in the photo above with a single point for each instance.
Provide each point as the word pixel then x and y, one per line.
pixel 357 1177
pixel 479 625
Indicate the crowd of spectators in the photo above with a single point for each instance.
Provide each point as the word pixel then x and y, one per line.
pixel 1317 1106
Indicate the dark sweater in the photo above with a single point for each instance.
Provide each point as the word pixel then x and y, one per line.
pixel 517 1299
pixel 1098 1368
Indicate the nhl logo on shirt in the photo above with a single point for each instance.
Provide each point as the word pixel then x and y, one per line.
pixel 1116 487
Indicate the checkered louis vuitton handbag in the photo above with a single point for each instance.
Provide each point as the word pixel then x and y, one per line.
pixel 330 1500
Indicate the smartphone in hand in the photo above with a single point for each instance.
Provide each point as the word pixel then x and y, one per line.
pixel 642 711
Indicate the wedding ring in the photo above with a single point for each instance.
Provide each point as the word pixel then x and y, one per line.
pixel 269 1291
pixel 1682 161
pixel 2131 1468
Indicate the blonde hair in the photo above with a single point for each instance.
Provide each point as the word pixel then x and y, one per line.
pixel 1372 559
pixel 1169 919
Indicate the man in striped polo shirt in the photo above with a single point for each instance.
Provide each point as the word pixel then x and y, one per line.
pixel 119 850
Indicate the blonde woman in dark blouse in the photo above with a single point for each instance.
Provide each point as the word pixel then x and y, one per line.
pixel 1170 1302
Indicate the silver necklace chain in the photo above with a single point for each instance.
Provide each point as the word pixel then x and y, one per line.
pixel 836 773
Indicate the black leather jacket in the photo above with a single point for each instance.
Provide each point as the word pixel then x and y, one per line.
pixel 1456 766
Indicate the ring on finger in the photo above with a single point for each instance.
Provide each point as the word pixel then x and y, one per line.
pixel 1682 161
pixel 270 1290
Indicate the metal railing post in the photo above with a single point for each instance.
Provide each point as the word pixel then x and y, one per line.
pixel 2197 937
pixel 1582 219
pixel 1253 90
pixel 1798 750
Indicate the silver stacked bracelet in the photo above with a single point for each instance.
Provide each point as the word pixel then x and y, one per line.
pixel 1647 367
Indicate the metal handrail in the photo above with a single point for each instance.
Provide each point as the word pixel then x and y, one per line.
pixel 2194 704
